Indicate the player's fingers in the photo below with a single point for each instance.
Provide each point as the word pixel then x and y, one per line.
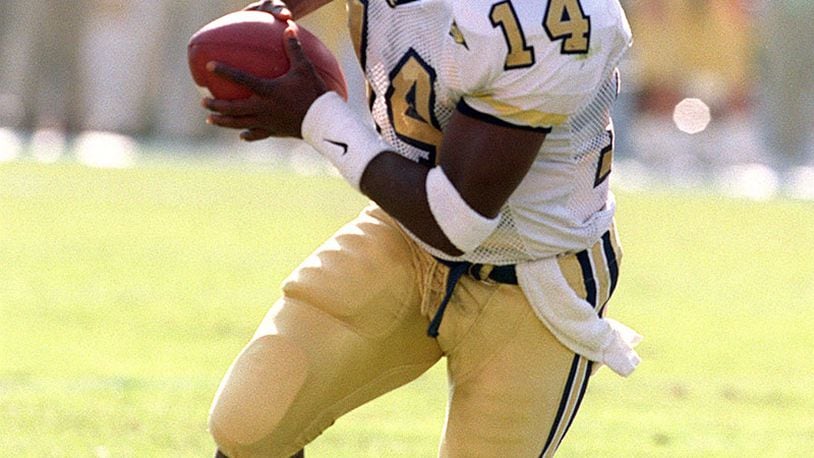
pixel 252 135
pixel 280 12
pixel 237 76
pixel 231 122
pixel 277 8
pixel 241 107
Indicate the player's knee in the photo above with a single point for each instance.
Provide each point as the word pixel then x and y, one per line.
pixel 257 392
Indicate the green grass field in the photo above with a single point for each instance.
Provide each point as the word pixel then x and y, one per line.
pixel 125 294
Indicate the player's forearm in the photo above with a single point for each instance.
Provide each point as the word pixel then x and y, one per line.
pixel 398 185
pixel 423 199
pixel 367 162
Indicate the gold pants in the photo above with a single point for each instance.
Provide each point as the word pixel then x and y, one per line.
pixel 352 325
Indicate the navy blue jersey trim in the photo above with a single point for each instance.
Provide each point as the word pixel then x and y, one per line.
pixel 363 41
pixel 467 110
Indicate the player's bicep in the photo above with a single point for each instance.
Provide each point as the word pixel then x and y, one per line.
pixel 486 158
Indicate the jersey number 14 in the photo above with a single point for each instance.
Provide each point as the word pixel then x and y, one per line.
pixel 563 20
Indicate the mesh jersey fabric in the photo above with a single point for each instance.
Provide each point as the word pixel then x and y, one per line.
pixel 423 57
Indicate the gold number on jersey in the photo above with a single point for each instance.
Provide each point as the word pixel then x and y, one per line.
pixel 565 20
pixel 357 24
pixel 411 102
pixel 603 168
pixel 520 54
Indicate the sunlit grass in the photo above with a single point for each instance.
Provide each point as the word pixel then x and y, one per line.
pixel 125 294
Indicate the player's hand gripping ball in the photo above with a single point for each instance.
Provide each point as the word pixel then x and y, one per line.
pixel 253 41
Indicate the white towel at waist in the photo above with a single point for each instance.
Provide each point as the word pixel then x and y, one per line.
pixel 573 321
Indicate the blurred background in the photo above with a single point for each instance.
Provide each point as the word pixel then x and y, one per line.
pixel 716 94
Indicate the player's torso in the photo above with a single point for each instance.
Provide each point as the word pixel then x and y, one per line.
pixel 507 59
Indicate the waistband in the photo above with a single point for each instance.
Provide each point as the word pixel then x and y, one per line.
pixel 484 272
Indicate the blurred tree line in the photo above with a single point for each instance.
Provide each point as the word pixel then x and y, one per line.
pixel 120 65
pixel 110 65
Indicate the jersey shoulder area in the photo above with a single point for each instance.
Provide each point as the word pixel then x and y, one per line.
pixel 533 63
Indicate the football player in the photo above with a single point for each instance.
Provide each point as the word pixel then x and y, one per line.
pixel 490 240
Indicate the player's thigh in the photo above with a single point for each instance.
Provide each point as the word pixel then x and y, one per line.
pixel 368 275
pixel 347 329
pixel 514 396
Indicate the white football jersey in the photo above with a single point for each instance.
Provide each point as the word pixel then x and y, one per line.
pixel 543 65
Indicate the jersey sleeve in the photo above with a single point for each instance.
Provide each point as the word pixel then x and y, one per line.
pixel 511 71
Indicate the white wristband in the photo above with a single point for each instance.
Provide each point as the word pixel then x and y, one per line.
pixel 339 134
pixel 463 226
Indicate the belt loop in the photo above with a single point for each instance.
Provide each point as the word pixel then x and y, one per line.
pixel 485 274
pixel 456 271
pixel 474 271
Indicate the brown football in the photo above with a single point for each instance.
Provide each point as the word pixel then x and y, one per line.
pixel 253 41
